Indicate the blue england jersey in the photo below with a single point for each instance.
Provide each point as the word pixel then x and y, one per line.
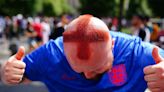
pixel 49 65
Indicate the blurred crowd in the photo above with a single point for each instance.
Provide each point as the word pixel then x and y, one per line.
pixel 141 26
pixel 37 29
pixel 40 29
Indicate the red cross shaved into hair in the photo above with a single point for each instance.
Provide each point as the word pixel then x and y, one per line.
pixel 82 38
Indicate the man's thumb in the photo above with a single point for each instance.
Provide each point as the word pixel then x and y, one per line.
pixel 156 55
pixel 20 53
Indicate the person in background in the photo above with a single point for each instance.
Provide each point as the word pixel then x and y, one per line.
pixel 8 27
pixel 37 27
pixel 60 27
pixel 154 34
pixel 53 31
pixel 46 30
pixel 114 24
pixel 139 29
pixel 110 26
pixel 19 23
pixel 2 27
pixel 153 28
pixel 31 34
pixel 148 24
pixel 11 34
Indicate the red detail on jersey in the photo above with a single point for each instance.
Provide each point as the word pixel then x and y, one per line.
pixel 66 77
pixel 118 75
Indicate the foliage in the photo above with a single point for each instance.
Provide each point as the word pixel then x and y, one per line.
pixel 138 7
pixel 12 7
pixel 157 7
pixel 103 8
pixel 32 7
pixel 98 8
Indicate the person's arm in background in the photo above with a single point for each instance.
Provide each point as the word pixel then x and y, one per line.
pixel 13 69
pixel 154 74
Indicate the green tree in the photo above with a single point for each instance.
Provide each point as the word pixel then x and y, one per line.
pixel 157 7
pixel 99 8
pixel 53 7
pixel 12 7
pixel 138 7
pixel 32 7
pixel 111 7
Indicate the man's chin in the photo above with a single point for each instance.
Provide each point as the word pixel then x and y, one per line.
pixel 95 78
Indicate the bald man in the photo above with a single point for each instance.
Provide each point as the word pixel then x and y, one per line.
pixel 88 58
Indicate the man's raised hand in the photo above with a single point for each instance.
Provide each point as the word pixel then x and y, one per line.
pixel 13 69
pixel 154 74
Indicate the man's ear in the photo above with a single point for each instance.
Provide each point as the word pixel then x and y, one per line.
pixel 113 41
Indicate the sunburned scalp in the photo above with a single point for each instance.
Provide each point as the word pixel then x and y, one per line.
pixel 83 35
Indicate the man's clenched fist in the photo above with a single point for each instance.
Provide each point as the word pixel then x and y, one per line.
pixel 13 69
pixel 154 74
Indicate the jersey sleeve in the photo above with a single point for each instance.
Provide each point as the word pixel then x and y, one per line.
pixel 39 61
pixel 143 52
pixel 35 64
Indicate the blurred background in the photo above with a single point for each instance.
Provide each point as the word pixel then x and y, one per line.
pixel 32 23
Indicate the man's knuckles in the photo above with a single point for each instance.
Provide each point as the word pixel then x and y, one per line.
pixel 153 84
pixel 15 63
pixel 19 64
pixel 160 72
pixel 155 90
pixel 12 82
pixel 145 70
pixel 13 74
pixel 11 78
pixel 16 77
pixel 20 71
pixel 13 71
